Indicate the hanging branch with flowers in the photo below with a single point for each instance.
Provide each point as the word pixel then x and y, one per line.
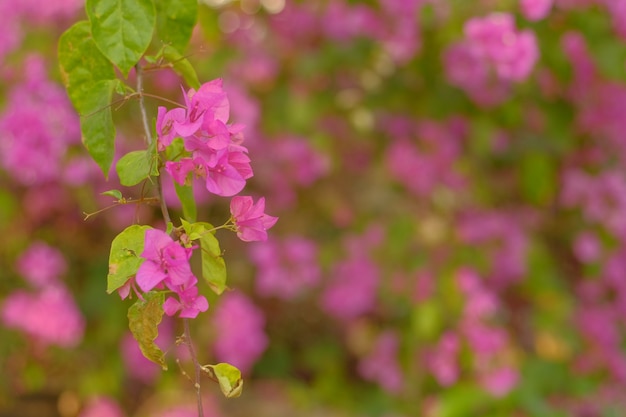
pixel 192 141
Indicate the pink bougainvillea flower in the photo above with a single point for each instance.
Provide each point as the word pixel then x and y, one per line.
pixel 209 102
pixel 165 260
pixel 179 170
pixel 250 220
pixel 224 171
pixel 229 175
pixel 214 135
pixel 165 125
pixel 190 303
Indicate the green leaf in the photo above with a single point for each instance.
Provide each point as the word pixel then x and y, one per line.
pixel 196 230
pixel 136 166
pixel 116 194
pixel 187 200
pixel 96 124
pixel 213 265
pixel 175 21
pixel 124 258
pixel 81 63
pixel 175 150
pixel 181 66
pixel 90 81
pixel 143 320
pixel 228 377
pixel 122 29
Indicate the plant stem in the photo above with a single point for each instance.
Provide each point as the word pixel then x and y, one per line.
pixel 148 132
pixel 196 366
pixel 142 106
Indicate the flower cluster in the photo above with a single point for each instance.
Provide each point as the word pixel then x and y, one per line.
pixel 215 151
pixel 492 44
pixel 166 265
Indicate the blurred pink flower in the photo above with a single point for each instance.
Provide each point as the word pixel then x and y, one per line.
pixel 381 364
pixel 513 54
pixel 617 11
pixel 343 22
pixel 352 289
pixel 101 407
pixel 503 235
pixel 292 163
pixel 50 10
pixel 442 360
pixel 534 10
pixel 287 267
pixel 424 157
pixel 240 339
pixel 50 316
pixel 465 68
pixel 587 247
pixel 501 381
pixel 41 265
pixel 38 125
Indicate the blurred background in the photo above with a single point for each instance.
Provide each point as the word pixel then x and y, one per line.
pixel 450 180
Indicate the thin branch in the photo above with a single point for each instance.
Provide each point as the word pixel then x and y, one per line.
pixel 144 116
pixel 149 140
pixel 196 365
pixel 167 100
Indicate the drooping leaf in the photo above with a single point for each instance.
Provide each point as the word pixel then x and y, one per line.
pixel 175 21
pixel 182 66
pixel 187 200
pixel 228 377
pixel 124 258
pixel 96 124
pixel 90 81
pixel 213 265
pixel 143 320
pixel 135 167
pixel 122 29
